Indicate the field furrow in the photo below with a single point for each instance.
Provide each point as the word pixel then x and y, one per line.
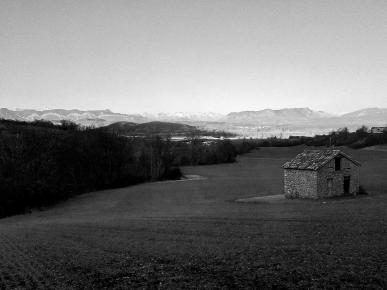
pixel 193 235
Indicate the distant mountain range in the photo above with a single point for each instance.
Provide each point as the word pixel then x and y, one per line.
pixel 95 118
pixel 249 123
pixel 377 116
pixel 276 117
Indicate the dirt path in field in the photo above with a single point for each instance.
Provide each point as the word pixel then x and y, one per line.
pixel 381 148
pixel 187 177
pixel 267 198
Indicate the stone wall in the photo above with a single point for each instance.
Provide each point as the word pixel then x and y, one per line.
pixel 348 168
pixel 300 183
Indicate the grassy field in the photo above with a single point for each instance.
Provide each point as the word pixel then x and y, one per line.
pixel 191 234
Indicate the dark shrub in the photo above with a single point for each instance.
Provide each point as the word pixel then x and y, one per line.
pixel 173 173
pixel 362 191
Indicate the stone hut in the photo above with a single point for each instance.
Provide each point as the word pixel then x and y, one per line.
pixel 320 174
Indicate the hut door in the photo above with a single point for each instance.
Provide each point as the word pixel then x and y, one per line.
pixel 330 186
pixel 347 182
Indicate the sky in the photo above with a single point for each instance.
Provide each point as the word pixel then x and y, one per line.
pixel 192 56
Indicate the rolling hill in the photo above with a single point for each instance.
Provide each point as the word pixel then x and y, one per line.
pixel 164 129
pixel 151 128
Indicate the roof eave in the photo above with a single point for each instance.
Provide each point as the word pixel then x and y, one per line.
pixel 292 168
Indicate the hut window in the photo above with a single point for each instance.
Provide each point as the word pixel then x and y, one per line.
pixel 337 163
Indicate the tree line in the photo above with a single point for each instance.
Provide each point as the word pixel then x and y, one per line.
pixel 360 138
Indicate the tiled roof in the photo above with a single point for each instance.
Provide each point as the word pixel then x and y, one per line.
pixel 314 159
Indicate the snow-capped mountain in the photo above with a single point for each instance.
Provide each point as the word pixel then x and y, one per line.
pixel 186 116
pixel 87 118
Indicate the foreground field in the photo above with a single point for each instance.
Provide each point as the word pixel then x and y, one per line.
pixel 191 234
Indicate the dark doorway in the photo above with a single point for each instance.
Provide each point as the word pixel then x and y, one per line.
pixel 347 182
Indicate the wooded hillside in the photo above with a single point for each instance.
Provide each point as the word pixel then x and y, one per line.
pixel 41 163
